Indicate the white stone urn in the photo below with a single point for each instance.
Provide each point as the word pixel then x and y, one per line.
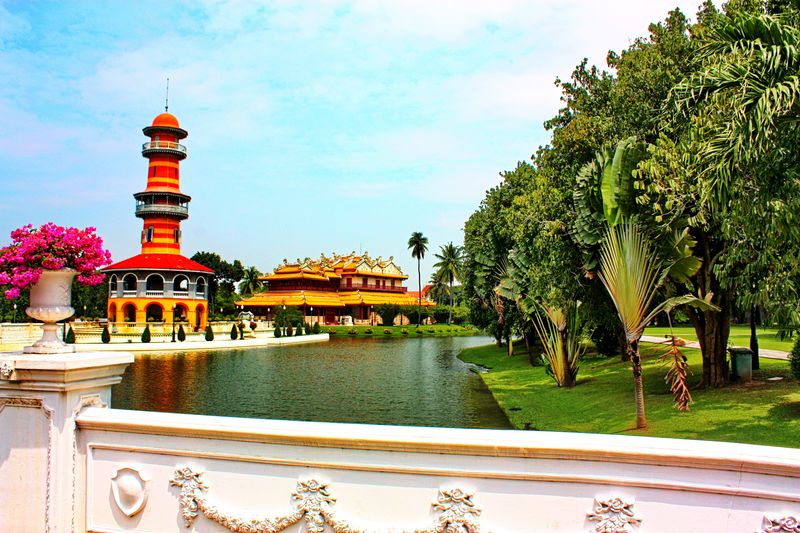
pixel 50 302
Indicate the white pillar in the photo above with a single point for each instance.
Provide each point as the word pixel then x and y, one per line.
pixel 41 470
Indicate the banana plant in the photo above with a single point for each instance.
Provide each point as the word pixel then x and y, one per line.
pixel 632 274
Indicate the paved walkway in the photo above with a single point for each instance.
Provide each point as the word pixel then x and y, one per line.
pixel 762 352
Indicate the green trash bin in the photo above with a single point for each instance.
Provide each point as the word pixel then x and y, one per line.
pixel 741 364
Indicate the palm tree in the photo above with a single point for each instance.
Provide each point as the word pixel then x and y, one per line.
pixel 418 244
pixel 438 289
pixel 448 269
pixel 250 284
pixel 632 275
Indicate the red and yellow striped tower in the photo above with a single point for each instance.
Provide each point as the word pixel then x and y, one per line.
pixel 160 286
pixel 162 205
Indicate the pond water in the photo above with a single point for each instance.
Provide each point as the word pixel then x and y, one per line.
pixel 418 382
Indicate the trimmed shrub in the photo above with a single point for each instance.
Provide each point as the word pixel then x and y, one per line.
pixel 289 331
pixel 105 336
pixel 352 331
pixel 181 333
pixel 368 331
pixel 315 329
pixel 278 332
pixel 794 359
pixel 431 330
pixel 387 332
pixel 70 339
pixel 404 331
pixel 234 332
pixel 300 330
pixel 419 331
pixel 146 334
pixel 331 331
pixel 209 333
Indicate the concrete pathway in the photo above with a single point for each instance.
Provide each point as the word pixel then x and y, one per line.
pixel 762 352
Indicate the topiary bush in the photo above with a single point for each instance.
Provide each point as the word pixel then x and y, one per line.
pixel 352 331
pixel 419 331
pixel 794 359
pixel 331 331
pixel 315 329
pixel 234 332
pixel 368 331
pixel 209 333
pixel 146 334
pixel 404 331
pixel 278 332
pixel 300 330
pixel 181 333
pixel 387 332
pixel 105 336
pixel 289 330
pixel 70 339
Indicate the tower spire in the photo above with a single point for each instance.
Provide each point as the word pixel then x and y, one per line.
pixel 166 101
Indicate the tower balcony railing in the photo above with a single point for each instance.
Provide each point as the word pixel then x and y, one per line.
pixel 164 147
pixel 162 209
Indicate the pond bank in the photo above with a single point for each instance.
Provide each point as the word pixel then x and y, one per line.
pixel 761 412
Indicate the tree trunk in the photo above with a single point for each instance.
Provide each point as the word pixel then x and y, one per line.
pixel 419 294
pixel 450 316
pixel 638 388
pixel 567 380
pixel 754 337
pixel 713 329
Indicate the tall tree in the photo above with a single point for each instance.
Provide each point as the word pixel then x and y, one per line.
pixel 418 244
pixel 448 269
pixel 250 283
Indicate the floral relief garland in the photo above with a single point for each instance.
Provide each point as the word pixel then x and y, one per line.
pixel 781 524
pixel 613 515
pixel 314 504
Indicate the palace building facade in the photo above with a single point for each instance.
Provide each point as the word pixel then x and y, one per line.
pixel 159 284
pixel 340 289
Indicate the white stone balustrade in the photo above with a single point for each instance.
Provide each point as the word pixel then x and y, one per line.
pixel 166 472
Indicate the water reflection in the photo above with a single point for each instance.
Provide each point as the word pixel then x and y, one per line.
pixel 375 380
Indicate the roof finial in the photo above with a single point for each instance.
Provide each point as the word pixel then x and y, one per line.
pixel 166 102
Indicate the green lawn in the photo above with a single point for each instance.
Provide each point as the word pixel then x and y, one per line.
pixel 438 330
pixel 740 336
pixel 761 412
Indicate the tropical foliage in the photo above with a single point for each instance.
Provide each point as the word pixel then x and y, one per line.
pixel 418 244
pixel 448 269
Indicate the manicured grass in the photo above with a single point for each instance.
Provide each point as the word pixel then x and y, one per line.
pixel 740 336
pixel 436 330
pixel 761 412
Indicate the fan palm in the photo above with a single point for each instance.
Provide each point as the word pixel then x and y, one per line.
pixel 418 244
pixel 558 332
pixel 448 269
pixel 632 275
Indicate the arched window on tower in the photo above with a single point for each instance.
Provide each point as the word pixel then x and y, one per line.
pixel 148 234
pixel 177 234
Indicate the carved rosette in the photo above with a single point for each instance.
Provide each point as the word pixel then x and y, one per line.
pixel 6 370
pixel 781 524
pixel 314 505
pixel 614 515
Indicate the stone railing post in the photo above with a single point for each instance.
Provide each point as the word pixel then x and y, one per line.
pixel 40 467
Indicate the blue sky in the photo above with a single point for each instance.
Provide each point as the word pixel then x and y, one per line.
pixel 313 127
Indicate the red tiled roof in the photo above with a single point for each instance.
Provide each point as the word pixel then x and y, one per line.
pixel 158 262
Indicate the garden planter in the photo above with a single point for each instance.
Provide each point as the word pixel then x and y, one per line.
pixel 50 300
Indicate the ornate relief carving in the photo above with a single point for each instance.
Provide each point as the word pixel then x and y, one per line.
pixel 87 400
pixel 781 524
pixel 613 515
pixel 314 504
pixel 129 488
pixel 38 403
pixel 6 369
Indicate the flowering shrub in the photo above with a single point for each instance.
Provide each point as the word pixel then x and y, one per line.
pixel 50 247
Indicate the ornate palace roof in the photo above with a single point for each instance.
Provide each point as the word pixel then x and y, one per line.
pixel 336 266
